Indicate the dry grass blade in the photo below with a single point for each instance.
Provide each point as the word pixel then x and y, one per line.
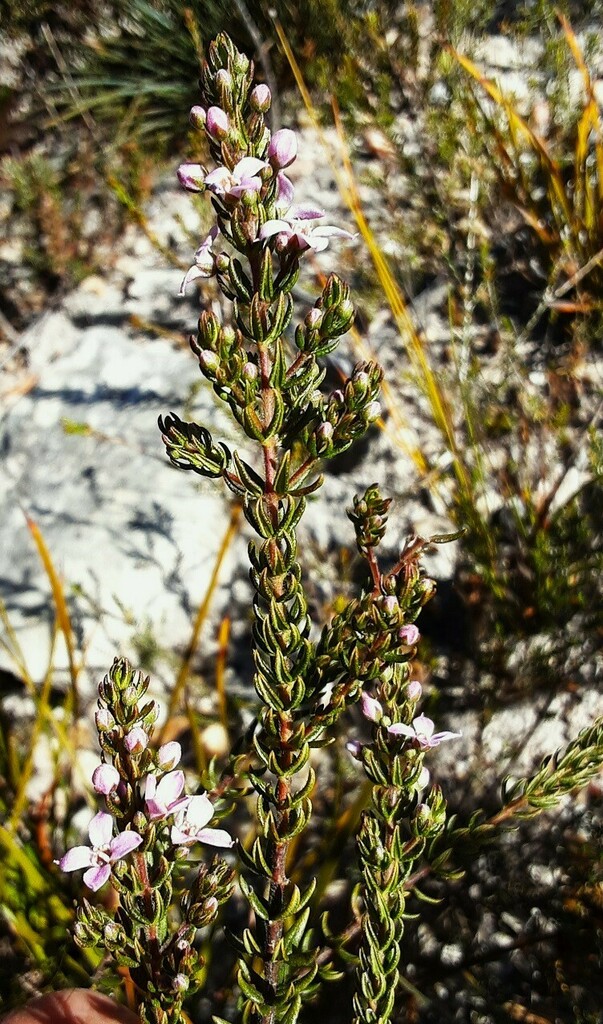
pixel 63 619
pixel 408 333
pixel 185 668
pixel 518 126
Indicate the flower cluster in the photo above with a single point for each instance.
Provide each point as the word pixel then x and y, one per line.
pixel 163 800
pixel 252 190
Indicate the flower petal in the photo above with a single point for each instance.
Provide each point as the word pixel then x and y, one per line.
pixel 180 838
pixel 328 231
pixel 96 877
pixel 100 830
pixel 199 810
pixel 248 167
pixel 76 858
pixel 423 727
pixel 123 844
pixel 215 837
pixel 274 227
pixel 305 212
pixel 399 729
pixel 170 787
pixel 284 191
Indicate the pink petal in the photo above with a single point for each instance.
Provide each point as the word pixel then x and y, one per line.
pixel 248 167
pixel 76 858
pixel 170 787
pixel 423 727
pixel 180 838
pixel 220 178
pixel 441 737
pixel 100 830
pixel 215 837
pixel 399 729
pixel 305 212
pixel 150 785
pixel 317 243
pixel 246 185
pixel 284 191
pixel 274 227
pixel 192 274
pixel 328 231
pixel 96 877
pixel 123 844
pixel 199 810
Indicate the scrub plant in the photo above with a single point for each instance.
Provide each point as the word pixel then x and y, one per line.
pixel 272 382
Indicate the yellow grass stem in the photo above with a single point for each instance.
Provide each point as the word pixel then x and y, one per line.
pixel 62 617
pixel 410 337
pixel 185 667
pixel 221 662
pixel 43 713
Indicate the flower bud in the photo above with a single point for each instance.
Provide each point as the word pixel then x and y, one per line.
pixel 180 983
pixel 282 149
pixel 224 79
pixel 354 747
pixel 260 99
pixel 250 371
pixel 409 635
pixel 136 740
pixel 414 689
pixel 191 177
pixel 211 905
pixel 314 319
pixel 104 720
pixel 325 431
pixel 372 412
pixel 371 708
pixel 105 779
pixel 168 756
pixel 208 360
pixel 390 605
pixel 217 123
pixel 198 116
pixel 240 63
pixel 222 262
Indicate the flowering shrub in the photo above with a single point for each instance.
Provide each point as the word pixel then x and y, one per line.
pixel 272 381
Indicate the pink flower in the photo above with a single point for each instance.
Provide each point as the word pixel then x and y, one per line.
pixel 421 730
pixel 296 230
pixel 105 779
pixel 164 797
pixel 189 825
pixel 282 149
pixel 104 851
pixel 242 178
pixel 204 265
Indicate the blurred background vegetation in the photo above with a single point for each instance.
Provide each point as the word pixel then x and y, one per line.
pixel 503 201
